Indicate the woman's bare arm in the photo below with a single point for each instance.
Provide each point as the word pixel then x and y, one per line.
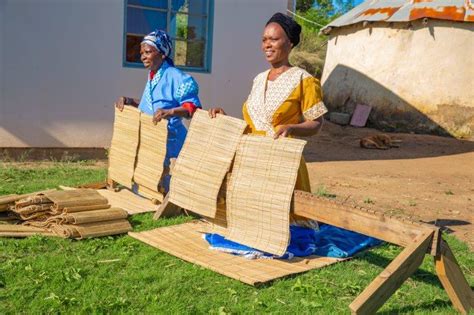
pixel 307 128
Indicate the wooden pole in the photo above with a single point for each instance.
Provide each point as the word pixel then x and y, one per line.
pixel 402 267
pixel 453 280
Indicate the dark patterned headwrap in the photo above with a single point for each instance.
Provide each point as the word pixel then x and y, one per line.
pixel 291 28
pixel 162 42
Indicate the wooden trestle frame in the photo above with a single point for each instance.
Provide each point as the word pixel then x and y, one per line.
pixel 417 239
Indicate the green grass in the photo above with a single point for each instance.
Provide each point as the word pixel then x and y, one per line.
pixel 122 275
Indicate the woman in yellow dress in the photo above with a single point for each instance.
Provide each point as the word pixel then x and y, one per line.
pixel 285 101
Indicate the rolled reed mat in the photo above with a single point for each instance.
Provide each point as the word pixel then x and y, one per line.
pixel 94 216
pixel 123 148
pixel 14 230
pixel 84 208
pixel 260 190
pixel 41 215
pixel 75 198
pixel 203 162
pixel 151 152
pixel 32 200
pixel 42 207
pixel 66 231
pixel 105 228
pixel 43 223
pixel 9 199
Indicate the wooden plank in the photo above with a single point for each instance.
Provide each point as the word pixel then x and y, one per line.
pixel 348 217
pixel 404 265
pixel 453 280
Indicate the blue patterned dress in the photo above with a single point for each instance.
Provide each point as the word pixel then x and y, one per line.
pixel 170 88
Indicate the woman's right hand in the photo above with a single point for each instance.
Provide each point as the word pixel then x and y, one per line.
pixel 120 103
pixel 214 111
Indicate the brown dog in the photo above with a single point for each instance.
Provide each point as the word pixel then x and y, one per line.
pixel 380 141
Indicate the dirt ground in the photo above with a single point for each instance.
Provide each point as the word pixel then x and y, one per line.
pixel 428 178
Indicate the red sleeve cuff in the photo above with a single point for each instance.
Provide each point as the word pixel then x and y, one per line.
pixel 190 107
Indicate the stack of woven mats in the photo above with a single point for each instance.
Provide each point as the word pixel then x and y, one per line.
pixel 80 213
pixel 257 192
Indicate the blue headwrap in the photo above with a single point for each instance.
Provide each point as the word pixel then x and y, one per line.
pixel 162 42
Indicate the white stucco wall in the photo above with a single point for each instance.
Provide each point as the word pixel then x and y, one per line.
pixel 2 47
pixel 61 67
pixel 426 71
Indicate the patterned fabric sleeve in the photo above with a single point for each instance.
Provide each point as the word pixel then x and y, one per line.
pixel 187 92
pixel 312 105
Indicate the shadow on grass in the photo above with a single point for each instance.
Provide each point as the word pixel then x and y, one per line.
pixel 428 306
pixel 144 221
pixel 383 262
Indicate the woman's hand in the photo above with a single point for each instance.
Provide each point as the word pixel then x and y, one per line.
pixel 122 101
pixel 283 131
pixel 216 110
pixel 162 114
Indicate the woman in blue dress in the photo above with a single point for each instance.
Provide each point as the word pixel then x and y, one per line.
pixel 169 93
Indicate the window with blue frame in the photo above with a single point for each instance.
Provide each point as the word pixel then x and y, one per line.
pixel 188 22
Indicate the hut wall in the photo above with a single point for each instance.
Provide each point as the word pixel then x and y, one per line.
pixel 418 77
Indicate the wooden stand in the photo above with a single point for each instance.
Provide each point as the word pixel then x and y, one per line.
pixel 418 239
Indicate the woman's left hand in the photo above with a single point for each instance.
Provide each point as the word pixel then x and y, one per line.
pixel 162 114
pixel 283 131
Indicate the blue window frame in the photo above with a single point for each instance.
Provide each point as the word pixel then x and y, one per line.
pixel 188 22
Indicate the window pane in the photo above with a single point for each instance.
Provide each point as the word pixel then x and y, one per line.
pixel 140 21
pixel 189 54
pixel 133 48
pixel 162 4
pixel 188 27
pixel 198 7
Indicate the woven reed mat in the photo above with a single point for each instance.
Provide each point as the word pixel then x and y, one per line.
pixel 101 215
pixel 124 145
pixel 128 201
pixel 125 199
pixel 151 152
pixel 185 241
pixel 203 162
pixel 260 190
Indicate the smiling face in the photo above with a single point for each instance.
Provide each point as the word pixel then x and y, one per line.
pixel 276 45
pixel 151 57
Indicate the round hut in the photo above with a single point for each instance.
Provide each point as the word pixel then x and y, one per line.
pixel 411 61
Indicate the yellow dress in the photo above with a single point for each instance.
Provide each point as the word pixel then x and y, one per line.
pixel 295 96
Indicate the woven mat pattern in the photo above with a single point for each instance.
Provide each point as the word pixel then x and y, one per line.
pixel 185 241
pixel 151 152
pixel 260 190
pixel 203 162
pixel 124 145
pixel 128 201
